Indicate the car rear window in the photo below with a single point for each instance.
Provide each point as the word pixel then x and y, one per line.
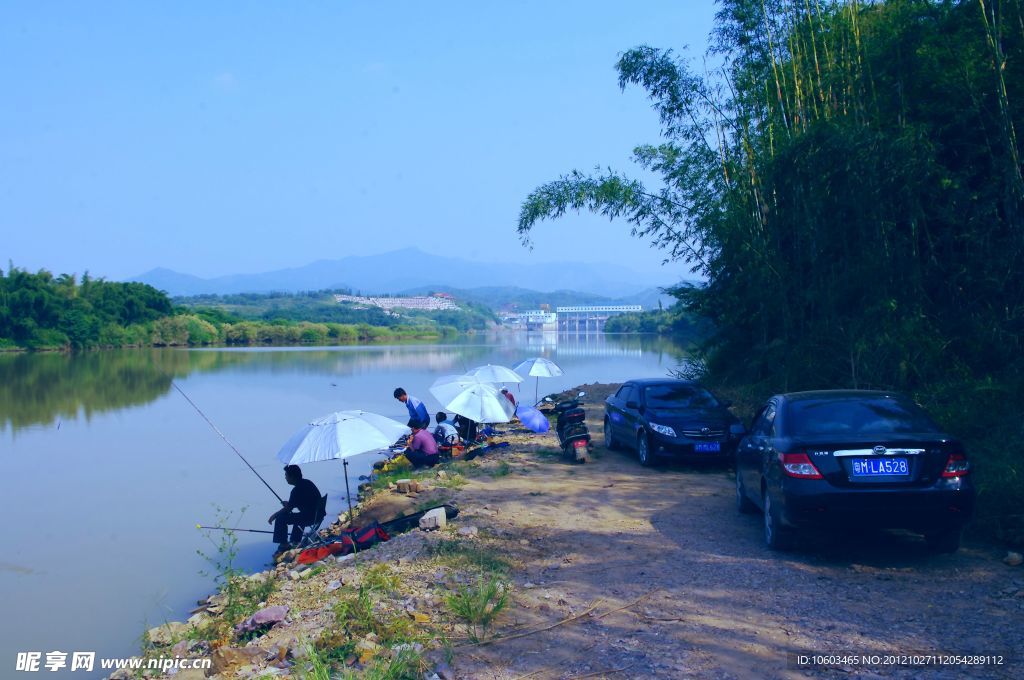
pixel 879 415
pixel 678 396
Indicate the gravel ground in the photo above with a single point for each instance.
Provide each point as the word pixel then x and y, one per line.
pixel 621 571
pixel 677 584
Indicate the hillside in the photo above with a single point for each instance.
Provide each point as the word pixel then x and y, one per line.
pixel 410 269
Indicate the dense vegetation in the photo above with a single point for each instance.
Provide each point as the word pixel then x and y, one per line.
pixel 676 321
pixel 849 182
pixel 41 311
pixel 321 307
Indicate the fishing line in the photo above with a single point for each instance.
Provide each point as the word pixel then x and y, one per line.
pixel 199 411
pixel 251 531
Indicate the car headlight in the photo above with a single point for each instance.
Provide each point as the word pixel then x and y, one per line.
pixel 663 429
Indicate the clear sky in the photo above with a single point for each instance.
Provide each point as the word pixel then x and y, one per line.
pixel 218 138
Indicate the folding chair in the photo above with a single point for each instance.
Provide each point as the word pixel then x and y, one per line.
pixel 311 533
pixel 446 445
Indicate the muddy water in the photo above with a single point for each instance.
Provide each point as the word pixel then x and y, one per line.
pixel 107 469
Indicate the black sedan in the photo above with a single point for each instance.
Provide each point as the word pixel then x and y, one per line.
pixel 840 459
pixel 678 418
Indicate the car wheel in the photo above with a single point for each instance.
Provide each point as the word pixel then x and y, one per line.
pixel 643 449
pixel 776 536
pixel 946 541
pixel 743 504
pixel 609 441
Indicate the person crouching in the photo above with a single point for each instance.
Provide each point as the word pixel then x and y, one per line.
pixel 422 450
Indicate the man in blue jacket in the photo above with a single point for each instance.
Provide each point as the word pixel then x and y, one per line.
pixel 417 411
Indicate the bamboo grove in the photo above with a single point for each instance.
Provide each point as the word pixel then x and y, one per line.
pixel 847 177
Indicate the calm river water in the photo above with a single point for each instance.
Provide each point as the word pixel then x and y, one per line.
pixel 107 469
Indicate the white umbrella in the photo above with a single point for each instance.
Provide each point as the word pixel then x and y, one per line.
pixel 341 435
pixel 495 374
pixel 540 368
pixel 448 387
pixel 477 401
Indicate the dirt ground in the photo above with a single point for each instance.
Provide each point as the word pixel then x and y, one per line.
pixel 672 582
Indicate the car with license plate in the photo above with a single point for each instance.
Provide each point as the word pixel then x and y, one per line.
pixel 842 459
pixel 663 418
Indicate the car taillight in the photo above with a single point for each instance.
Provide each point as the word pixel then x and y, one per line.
pixel 580 444
pixel 799 465
pixel 956 466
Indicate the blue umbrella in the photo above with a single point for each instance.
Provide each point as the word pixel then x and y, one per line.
pixel 533 419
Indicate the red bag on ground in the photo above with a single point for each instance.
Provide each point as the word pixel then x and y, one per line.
pixel 349 541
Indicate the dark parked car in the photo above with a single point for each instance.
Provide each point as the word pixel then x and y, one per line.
pixel 661 418
pixel 836 459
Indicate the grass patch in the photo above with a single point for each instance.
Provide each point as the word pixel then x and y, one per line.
pixel 478 605
pixel 502 469
pixel 383 479
pixel 452 481
pixel 359 613
pixel 471 556
pixel 240 595
pixel 404 665
pixel 466 468
pixel 381 578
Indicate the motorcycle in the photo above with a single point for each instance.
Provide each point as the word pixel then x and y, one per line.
pixel 571 428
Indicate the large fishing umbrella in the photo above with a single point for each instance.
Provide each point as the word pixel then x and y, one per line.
pixel 475 400
pixel 538 367
pixel 495 374
pixel 447 387
pixel 532 419
pixel 342 434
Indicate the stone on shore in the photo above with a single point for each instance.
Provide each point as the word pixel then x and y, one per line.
pixel 168 633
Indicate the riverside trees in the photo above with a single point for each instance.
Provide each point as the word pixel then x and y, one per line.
pixel 849 182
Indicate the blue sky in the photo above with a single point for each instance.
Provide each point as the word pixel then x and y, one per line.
pixel 219 138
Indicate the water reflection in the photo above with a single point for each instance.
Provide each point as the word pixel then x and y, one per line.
pixel 43 390
pixel 104 432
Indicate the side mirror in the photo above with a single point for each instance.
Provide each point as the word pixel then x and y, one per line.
pixel 632 405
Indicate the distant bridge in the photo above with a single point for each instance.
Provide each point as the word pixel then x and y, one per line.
pixel 589 318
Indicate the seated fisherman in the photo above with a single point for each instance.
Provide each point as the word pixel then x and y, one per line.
pixel 417 411
pixel 445 433
pixel 300 511
pixel 466 428
pixel 422 451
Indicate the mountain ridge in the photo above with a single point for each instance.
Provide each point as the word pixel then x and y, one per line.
pixel 409 268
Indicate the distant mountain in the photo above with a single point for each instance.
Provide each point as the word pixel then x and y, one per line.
pixel 410 268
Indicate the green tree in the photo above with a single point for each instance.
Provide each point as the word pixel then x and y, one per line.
pixel 849 184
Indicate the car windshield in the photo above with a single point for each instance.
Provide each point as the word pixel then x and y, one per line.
pixel 875 415
pixel 678 396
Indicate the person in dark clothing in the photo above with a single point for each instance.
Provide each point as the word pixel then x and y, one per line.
pixel 466 428
pixel 300 511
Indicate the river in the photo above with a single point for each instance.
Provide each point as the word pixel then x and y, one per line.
pixel 108 469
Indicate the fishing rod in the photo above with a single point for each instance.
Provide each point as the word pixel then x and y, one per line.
pixel 175 385
pixel 251 531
